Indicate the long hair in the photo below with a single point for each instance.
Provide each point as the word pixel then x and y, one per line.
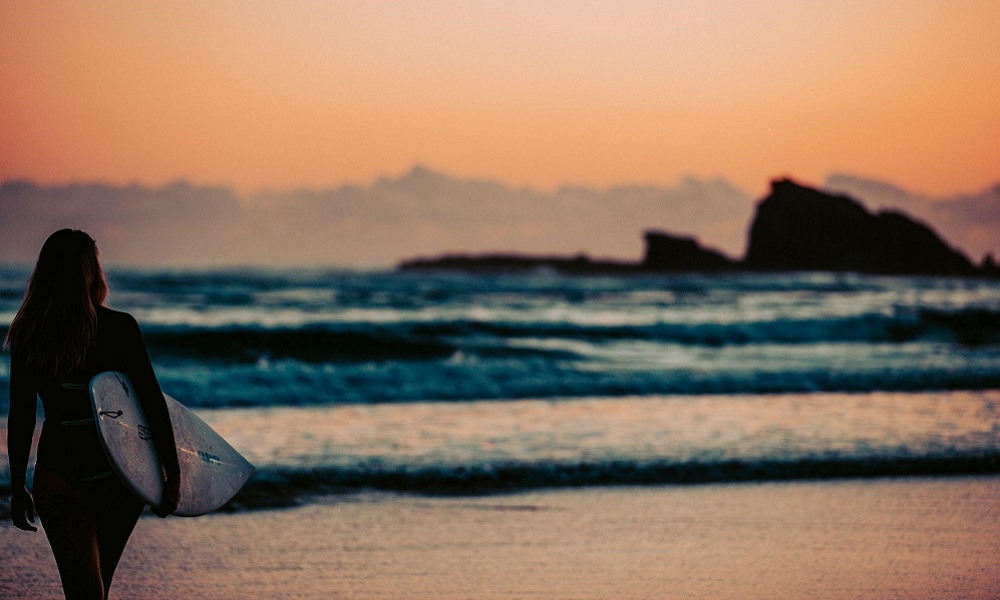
pixel 57 321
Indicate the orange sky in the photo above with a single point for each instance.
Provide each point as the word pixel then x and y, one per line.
pixel 277 95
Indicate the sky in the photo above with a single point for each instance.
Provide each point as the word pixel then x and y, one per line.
pixel 285 95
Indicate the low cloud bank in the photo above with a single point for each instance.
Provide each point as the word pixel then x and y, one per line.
pixel 419 213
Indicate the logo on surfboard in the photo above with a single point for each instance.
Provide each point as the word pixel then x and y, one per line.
pixel 209 458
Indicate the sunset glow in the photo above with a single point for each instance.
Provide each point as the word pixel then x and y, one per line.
pixel 275 95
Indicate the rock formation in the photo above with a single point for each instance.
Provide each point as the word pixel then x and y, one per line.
pixel 665 252
pixel 797 228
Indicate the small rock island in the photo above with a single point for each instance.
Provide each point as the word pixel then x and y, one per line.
pixel 795 228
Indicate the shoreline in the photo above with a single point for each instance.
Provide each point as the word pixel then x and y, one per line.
pixel 872 538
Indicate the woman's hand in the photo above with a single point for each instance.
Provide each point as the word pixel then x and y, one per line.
pixel 171 496
pixel 22 508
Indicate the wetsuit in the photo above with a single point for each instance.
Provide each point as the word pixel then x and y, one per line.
pixel 68 445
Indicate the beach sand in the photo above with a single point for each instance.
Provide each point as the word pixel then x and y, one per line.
pixel 887 538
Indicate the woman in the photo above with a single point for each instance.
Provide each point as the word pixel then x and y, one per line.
pixel 61 337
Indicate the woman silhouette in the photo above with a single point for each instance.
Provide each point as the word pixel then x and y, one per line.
pixel 60 338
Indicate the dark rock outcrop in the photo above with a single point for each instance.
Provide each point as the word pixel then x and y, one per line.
pixel 989 267
pixel 665 252
pixel 797 228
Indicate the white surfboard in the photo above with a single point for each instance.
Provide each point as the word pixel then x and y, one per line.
pixel 212 471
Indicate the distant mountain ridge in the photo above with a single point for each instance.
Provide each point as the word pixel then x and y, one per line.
pixel 795 228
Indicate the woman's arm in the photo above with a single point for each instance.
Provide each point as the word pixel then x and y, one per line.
pixel 20 430
pixel 140 371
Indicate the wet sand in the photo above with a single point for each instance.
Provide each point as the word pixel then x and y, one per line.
pixel 890 538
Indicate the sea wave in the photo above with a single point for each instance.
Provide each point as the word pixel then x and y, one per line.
pixel 282 487
pixel 252 338
pixel 345 342
pixel 506 446
pixel 619 371
pixel 272 488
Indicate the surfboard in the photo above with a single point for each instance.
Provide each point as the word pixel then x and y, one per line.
pixel 212 471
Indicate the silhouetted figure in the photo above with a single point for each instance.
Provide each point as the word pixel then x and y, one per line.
pixel 61 337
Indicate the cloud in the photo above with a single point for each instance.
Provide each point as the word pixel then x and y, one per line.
pixel 421 212
pixel 133 224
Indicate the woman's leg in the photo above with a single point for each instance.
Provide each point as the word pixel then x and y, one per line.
pixel 88 527
pixel 118 512
pixel 70 525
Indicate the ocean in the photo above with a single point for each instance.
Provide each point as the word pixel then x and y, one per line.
pixel 339 381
